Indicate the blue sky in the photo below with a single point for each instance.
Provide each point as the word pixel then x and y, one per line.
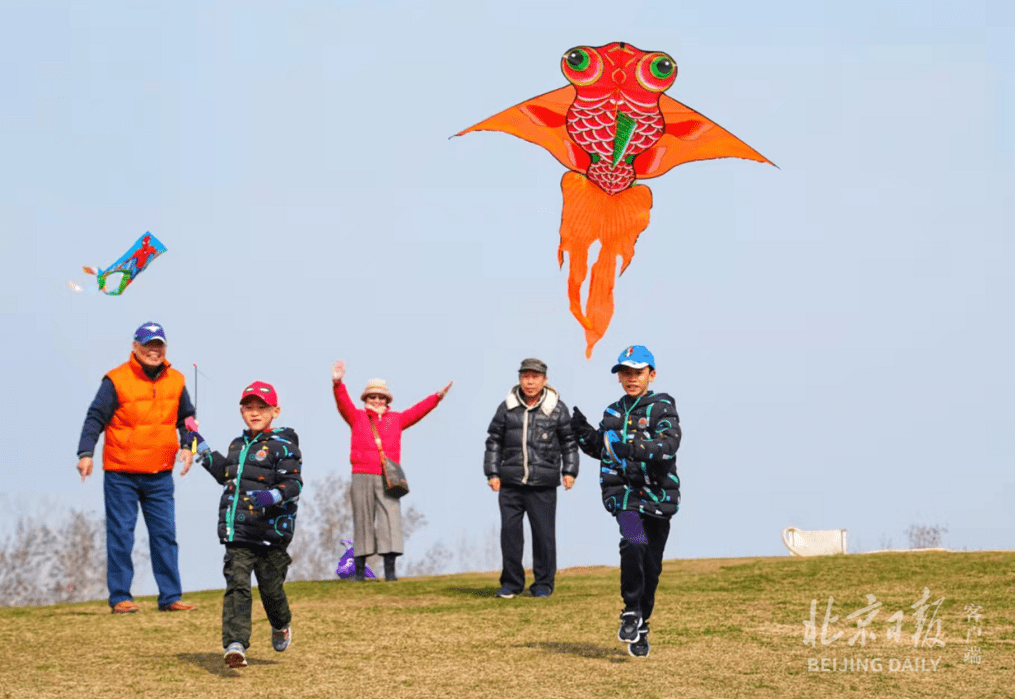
pixel 836 332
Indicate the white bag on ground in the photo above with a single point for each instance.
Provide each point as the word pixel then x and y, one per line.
pixel 824 542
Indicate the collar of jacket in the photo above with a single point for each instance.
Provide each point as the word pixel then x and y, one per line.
pixel 547 402
pixel 142 371
pixel 262 435
pixel 627 402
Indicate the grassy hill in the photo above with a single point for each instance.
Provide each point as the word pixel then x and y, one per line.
pixel 723 628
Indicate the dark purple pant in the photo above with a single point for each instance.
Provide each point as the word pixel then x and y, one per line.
pixel 641 563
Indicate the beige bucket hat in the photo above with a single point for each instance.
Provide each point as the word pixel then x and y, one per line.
pixel 379 386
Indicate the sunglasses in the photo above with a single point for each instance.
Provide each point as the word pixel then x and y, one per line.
pixel 376 396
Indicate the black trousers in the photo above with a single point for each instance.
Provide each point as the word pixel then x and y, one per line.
pixel 540 504
pixel 270 565
pixel 641 564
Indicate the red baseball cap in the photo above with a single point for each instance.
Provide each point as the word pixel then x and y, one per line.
pixel 264 391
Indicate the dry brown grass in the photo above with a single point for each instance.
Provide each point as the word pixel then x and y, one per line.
pixel 723 628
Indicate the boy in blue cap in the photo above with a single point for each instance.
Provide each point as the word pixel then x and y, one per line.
pixel 637 444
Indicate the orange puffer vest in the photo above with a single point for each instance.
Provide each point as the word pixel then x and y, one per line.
pixel 141 437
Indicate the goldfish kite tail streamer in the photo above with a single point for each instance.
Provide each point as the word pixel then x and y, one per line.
pixel 616 221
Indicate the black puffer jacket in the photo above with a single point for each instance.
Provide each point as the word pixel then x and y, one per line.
pixel 271 460
pixel 531 445
pixel 648 482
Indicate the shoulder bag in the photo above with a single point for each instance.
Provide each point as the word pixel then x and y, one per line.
pixel 395 485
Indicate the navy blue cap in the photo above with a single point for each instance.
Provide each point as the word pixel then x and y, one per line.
pixel 635 357
pixel 148 332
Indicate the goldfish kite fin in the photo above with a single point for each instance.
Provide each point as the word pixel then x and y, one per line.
pixel 542 121
pixel 616 221
pixel 690 136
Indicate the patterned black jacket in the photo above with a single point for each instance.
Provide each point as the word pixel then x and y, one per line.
pixel 270 460
pixel 648 481
pixel 531 445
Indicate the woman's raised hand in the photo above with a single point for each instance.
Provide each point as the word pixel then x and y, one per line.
pixel 337 370
pixel 444 391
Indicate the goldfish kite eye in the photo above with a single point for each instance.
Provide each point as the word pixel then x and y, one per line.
pixel 578 59
pixel 656 72
pixel 582 66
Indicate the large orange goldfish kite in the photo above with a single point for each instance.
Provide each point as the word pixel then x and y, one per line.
pixel 610 127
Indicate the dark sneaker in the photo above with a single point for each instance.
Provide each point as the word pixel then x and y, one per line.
pixel 280 640
pixel 640 648
pixel 505 593
pixel 630 622
pixel 540 592
pixel 235 655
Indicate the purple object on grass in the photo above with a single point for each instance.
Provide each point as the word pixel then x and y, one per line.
pixel 347 565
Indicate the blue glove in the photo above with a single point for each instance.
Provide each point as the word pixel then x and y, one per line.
pixel 259 499
pixel 202 447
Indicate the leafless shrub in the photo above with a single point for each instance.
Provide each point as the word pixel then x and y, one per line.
pixel 433 562
pixel 324 520
pixel 923 536
pixel 43 564
pixel 482 555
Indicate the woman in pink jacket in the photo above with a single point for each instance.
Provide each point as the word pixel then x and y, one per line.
pixel 377 518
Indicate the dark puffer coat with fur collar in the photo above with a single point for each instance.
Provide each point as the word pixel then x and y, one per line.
pixel 531 445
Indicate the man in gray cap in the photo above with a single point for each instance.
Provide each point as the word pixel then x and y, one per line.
pixel 530 444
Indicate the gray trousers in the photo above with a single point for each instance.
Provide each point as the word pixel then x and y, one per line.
pixel 376 518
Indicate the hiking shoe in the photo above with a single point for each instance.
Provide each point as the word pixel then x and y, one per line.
pixel 280 640
pixel 128 606
pixel 235 655
pixel 177 606
pixel 630 622
pixel 640 648
pixel 505 593
pixel 540 592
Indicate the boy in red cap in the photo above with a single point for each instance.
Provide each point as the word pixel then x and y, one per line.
pixel 257 515
pixel 637 443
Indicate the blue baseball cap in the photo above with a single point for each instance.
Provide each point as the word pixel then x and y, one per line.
pixel 636 357
pixel 148 332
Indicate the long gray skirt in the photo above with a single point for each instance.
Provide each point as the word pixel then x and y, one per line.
pixel 376 518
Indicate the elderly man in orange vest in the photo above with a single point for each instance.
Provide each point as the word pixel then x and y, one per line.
pixel 141 406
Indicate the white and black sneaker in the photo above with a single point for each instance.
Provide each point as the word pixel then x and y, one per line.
pixel 505 593
pixel 630 622
pixel 640 648
pixel 235 655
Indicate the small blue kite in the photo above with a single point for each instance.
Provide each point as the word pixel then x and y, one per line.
pixel 131 264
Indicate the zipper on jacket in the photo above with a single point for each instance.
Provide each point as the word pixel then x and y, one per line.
pixel 627 415
pixel 627 419
pixel 231 515
pixel 525 444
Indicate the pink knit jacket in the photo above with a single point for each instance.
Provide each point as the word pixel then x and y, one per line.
pixel 363 453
